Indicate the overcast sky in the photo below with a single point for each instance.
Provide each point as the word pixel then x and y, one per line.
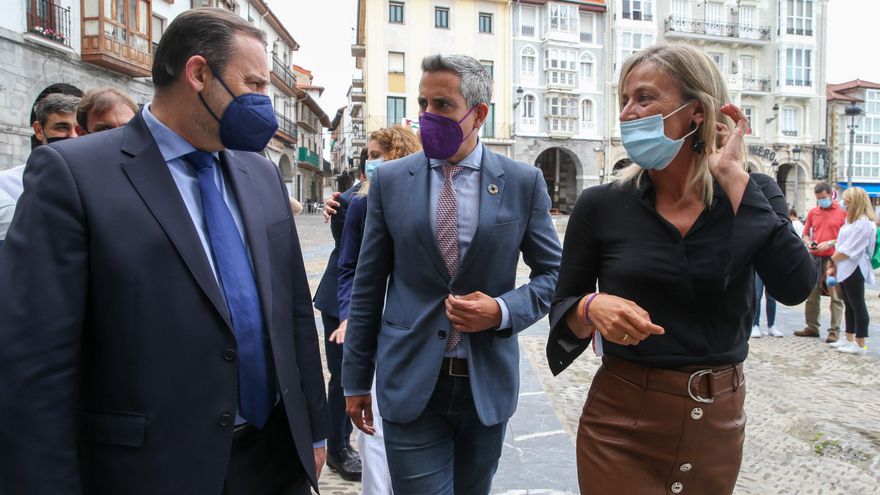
pixel 324 30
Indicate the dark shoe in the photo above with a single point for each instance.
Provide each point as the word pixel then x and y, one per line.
pixel 832 336
pixel 347 463
pixel 807 332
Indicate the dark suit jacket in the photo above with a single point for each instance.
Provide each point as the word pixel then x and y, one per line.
pixel 117 358
pixel 325 295
pixel 349 250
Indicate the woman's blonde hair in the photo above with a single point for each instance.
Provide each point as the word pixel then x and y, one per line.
pixel 858 204
pixel 398 142
pixel 699 80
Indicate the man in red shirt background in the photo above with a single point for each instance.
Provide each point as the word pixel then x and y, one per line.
pixel 820 234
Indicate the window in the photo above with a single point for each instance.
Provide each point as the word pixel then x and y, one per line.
pixel 586 115
pixel 396 109
pixel 562 17
pixel 396 62
pixel 587 27
pixel 633 42
pixel 487 130
pixel 637 10
pixel 560 67
pixel 585 69
pixel 528 111
pixel 126 22
pixel 563 113
pixel 791 121
pixel 489 66
pixel 799 17
pixel 746 65
pixel 679 9
pixel 441 17
pixel 750 116
pixel 868 131
pixel 718 58
pixel 395 12
pixel 527 21
pixel 798 67
pixel 527 60
pixel 157 30
pixel 872 101
pixel 485 23
pixel 748 22
pixel 714 18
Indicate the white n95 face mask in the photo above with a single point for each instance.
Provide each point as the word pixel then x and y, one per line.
pixel 646 142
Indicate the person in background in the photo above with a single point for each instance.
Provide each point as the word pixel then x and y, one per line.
pixel 56 121
pixel 7 210
pixel 385 145
pixel 820 234
pixel 851 266
pixel 340 456
pixel 673 298
pixel 103 109
pixel 295 206
pixel 771 312
pixel 796 223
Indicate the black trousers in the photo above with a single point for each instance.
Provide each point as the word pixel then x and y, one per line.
pixel 340 423
pixel 856 312
pixel 265 462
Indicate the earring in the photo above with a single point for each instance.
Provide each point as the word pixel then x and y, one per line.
pixel 698 144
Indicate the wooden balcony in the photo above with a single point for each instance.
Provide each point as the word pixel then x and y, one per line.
pixel 121 47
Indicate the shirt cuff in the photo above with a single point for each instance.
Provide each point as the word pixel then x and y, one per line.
pixel 320 445
pixel 355 391
pixel 505 314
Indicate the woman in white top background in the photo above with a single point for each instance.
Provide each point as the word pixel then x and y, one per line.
pixel 852 267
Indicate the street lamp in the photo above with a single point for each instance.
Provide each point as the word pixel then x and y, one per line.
pixel 796 157
pixel 853 116
pixel 775 114
pixel 519 98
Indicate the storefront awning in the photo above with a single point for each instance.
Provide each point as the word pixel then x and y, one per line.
pixel 872 189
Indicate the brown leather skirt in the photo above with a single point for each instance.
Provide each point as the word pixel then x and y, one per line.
pixel 652 431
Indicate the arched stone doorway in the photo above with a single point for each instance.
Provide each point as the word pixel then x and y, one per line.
pixel 560 168
pixel 286 172
pixel 791 179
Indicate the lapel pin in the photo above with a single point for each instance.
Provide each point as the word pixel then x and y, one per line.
pixel 493 189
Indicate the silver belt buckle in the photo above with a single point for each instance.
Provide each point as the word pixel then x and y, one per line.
pixel 453 374
pixel 698 375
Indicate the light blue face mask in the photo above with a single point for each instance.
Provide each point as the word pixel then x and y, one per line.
pixel 824 203
pixel 370 166
pixel 646 142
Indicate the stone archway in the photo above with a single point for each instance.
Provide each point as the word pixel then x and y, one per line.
pixel 560 168
pixel 286 172
pixel 792 184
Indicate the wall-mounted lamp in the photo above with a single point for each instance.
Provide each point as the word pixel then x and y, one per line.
pixel 775 113
pixel 519 96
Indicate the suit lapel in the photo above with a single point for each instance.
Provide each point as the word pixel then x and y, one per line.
pixel 151 178
pixel 255 223
pixel 420 186
pixel 490 174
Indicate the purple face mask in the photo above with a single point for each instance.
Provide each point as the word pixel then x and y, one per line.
pixel 441 136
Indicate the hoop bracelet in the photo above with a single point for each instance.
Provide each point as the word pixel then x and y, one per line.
pixel 587 308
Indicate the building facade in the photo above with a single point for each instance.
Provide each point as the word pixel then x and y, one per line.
pixel 772 53
pixel 84 44
pixel 558 86
pixel 394 35
pixel 855 143
pixel 306 185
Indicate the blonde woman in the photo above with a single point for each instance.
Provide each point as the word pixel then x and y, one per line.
pixel 852 267
pixel 673 245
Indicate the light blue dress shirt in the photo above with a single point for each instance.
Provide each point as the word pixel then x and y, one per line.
pixel 467 198
pixel 173 149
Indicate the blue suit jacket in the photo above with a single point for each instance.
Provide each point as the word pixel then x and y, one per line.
pixel 325 295
pixel 117 357
pixel 406 342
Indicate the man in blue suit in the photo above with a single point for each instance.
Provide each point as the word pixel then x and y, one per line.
pixel 444 232
pixel 156 328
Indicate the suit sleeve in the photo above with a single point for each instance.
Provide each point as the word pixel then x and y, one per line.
pixel 368 294
pixel 305 335
pixel 541 252
pixel 44 266
pixel 349 248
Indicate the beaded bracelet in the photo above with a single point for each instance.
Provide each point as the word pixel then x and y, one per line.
pixel 587 308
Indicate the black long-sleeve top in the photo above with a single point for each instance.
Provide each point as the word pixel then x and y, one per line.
pixel 699 288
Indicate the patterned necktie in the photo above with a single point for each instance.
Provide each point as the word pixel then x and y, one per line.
pixel 256 391
pixel 447 232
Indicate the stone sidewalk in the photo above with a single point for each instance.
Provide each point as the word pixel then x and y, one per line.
pixel 813 413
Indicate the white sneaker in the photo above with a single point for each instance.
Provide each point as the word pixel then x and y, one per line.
pixel 756 332
pixel 852 348
pixel 841 342
pixel 773 332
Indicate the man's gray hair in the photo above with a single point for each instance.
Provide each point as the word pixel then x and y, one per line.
pixel 55 103
pixel 476 84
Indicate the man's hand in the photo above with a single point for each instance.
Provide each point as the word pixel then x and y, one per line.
pixel 824 246
pixel 360 410
pixel 330 205
pixel 338 335
pixel 473 312
pixel 320 458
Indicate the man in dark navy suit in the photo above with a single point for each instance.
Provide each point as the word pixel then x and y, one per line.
pixel 340 456
pixel 156 327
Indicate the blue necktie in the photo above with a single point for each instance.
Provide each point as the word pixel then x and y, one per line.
pixel 256 394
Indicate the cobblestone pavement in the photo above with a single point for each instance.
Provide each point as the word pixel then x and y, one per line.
pixel 813 413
